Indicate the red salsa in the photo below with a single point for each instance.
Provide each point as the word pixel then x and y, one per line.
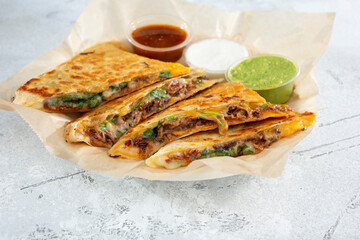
pixel 159 36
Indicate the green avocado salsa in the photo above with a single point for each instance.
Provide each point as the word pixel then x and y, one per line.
pixel 267 75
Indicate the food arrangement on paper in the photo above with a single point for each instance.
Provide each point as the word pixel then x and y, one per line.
pixel 163 97
pixel 173 102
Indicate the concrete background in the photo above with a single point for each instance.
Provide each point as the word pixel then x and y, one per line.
pixel 317 196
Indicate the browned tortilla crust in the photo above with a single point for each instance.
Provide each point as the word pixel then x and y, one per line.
pixel 94 71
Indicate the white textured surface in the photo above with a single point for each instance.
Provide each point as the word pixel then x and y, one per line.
pixel 317 196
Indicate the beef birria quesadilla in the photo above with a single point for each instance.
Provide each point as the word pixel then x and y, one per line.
pixel 104 125
pixel 249 138
pixel 97 75
pixel 224 104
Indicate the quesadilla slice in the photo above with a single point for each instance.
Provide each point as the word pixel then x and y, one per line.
pixel 95 76
pixel 103 126
pixel 249 138
pixel 224 104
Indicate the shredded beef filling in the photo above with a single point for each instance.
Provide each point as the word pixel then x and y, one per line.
pixel 165 133
pixel 236 113
pixel 185 157
pixel 176 88
pixel 166 129
pixel 173 89
pixel 97 138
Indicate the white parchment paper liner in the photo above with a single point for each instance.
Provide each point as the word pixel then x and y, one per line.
pixel 300 36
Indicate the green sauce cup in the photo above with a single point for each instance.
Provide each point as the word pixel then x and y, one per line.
pixel 266 83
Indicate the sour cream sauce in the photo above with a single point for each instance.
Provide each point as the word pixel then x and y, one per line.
pixel 214 54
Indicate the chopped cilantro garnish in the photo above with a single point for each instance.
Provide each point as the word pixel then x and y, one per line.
pixel 173 117
pixel 71 104
pixel 160 122
pixel 221 153
pixel 55 102
pixel 303 129
pixel 103 126
pixel 246 150
pixel 150 134
pixel 123 84
pixel 158 93
pixel 164 74
pixel 232 152
pixel 122 132
pixel 114 88
pixel 118 87
pixel 86 96
pixel 113 120
pixel 78 100
pixel 94 102
pixel 238 150
pixel 80 105
pixel 207 152
pixel 68 98
pixel 211 153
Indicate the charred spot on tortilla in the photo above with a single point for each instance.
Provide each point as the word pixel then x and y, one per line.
pixel 86 53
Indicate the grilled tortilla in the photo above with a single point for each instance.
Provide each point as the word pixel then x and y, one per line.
pixel 104 125
pixel 250 138
pixel 224 104
pixel 97 75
